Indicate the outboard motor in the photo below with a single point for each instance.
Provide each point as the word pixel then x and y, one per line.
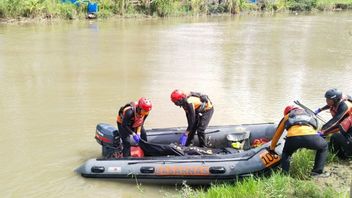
pixel 109 138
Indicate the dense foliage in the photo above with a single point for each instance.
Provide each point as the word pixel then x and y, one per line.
pixel 71 9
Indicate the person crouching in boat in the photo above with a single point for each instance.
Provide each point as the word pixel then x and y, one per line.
pixel 130 120
pixel 199 110
pixel 340 125
pixel 301 133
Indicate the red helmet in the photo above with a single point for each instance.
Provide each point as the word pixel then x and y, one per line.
pixel 289 108
pixel 145 104
pixel 177 95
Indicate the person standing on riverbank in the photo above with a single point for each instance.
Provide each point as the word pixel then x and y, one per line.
pixel 340 125
pixel 301 133
pixel 199 110
pixel 130 120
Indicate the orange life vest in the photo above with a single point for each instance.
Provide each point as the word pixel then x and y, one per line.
pixel 199 106
pixel 137 118
pixel 346 99
pixel 346 122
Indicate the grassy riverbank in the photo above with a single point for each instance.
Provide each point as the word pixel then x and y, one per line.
pixel 17 9
pixel 298 184
pixel 275 186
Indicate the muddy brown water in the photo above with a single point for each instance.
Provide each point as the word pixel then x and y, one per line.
pixel 58 80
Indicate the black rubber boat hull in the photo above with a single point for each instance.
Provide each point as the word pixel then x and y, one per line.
pixel 194 169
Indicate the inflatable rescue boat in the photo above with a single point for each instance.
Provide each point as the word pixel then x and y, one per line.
pixel 233 151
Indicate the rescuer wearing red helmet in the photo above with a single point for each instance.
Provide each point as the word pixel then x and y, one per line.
pixel 130 120
pixel 301 133
pixel 199 110
pixel 340 125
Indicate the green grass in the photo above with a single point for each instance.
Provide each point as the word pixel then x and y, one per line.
pixel 275 186
pixel 296 184
pixel 302 163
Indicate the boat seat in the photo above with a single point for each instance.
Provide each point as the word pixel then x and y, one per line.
pixel 242 137
pixel 236 137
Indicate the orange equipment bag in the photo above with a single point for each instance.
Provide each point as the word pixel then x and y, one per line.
pixel 136 151
pixel 258 142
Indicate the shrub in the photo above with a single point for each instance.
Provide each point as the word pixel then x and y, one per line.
pixel 67 11
pixel 31 8
pixel 217 8
pixel 233 6
pixel 2 9
pixel 13 7
pixel 198 6
pixel 301 5
pixel 272 5
pixel 301 164
pixel 164 7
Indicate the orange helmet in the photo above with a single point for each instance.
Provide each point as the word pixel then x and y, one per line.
pixel 289 108
pixel 177 95
pixel 145 104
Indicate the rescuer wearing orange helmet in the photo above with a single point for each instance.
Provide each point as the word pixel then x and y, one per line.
pixel 130 120
pixel 199 110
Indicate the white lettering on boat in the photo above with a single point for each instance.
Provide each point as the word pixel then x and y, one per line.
pixel 114 169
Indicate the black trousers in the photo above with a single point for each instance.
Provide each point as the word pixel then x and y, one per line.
pixel 125 137
pixel 340 145
pixel 201 124
pixel 313 142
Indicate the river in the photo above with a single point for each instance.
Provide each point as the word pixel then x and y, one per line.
pixel 58 80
